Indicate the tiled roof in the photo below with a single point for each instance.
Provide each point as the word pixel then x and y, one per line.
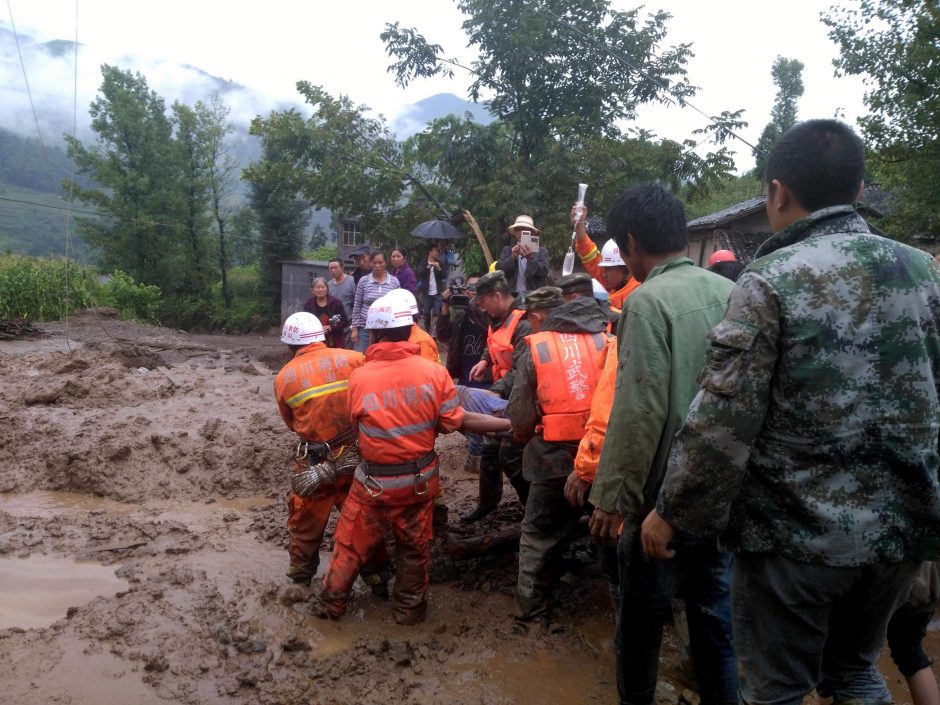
pixel 726 216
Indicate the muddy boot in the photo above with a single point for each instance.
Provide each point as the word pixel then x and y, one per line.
pixel 491 492
pixel 301 574
pixel 378 584
pixel 325 604
pixel 521 486
pixel 441 515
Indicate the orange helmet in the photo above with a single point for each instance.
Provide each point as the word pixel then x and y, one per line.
pixel 722 256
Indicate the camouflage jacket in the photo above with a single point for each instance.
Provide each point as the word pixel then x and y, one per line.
pixel 546 459
pixel 814 434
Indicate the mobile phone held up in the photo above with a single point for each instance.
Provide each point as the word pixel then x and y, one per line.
pixel 530 240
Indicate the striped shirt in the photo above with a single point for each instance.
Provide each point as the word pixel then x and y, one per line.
pixel 367 292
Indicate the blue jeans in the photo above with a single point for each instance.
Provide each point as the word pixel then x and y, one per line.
pixel 700 574
pixel 801 626
pixel 482 402
pixel 362 342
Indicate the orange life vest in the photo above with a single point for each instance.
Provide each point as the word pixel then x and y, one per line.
pixel 500 345
pixel 312 391
pixel 567 367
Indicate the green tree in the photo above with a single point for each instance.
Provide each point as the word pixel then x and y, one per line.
pixel 275 196
pixel 195 196
pixel 136 164
pixel 895 46
pixel 787 75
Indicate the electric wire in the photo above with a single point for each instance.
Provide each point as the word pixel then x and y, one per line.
pixel 16 39
pixel 682 101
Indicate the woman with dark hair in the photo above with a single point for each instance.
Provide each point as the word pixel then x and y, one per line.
pixel 329 312
pixel 402 272
pixel 431 275
pixel 372 286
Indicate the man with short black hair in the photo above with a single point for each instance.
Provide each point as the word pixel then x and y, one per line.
pixel 662 337
pixel 341 286
pixel 812 444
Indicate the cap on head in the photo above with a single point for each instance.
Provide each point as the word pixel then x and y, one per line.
pixel 722 256
pixel 523 222
pixel 407 298
pixel 610 255
pixel 361 250
pixel 544 297
pixel 490 282
pixel 577 283
pixel 302 329
pixel 388 312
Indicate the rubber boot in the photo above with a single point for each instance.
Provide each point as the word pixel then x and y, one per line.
pixel 521 486
pixel 491 492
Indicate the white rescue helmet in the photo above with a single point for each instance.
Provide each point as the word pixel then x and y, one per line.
pixel 407 297
pixel 600 291
pixel 389 312
pixel 610 255
pixel 302 329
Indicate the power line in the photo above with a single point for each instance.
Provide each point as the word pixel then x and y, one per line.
pixel 633 65
pixel 16 38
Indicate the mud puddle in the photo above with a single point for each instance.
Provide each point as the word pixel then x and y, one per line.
pixel 37 591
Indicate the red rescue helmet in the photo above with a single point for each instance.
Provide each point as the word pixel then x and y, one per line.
pixel 722 256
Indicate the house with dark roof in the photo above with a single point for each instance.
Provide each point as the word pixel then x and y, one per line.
pixel 742 227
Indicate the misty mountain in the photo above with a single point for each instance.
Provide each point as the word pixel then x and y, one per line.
pixel 414 118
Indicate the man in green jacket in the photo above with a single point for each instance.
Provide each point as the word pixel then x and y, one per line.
pixel 662 333
pixel 812 445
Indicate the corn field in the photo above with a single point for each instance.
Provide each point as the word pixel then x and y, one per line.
pixel 43 289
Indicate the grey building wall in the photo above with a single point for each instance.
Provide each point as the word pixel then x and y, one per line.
pixel 296 279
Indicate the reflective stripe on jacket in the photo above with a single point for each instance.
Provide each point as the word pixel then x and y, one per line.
pixel 426 343
pixel 400 402
pixel 499 343
pixel 567 367
pixel 312 391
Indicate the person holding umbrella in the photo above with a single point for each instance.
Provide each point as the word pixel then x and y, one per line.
pixel 526 266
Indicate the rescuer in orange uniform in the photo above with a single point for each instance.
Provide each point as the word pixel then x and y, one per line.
pixel 606 265
pixel 420 337
pixel 549 407
pixel 508 327
pixel 400 403
pixel 312 395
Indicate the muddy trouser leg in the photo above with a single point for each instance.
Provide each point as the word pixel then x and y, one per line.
pixel 549 520
pixel 490 482
pixel 510 460
pixel 306 523
pixel 412 526
pixel 359 532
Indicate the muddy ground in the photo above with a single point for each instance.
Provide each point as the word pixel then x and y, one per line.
pixel 143 473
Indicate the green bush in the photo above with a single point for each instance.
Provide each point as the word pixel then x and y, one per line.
pixel 131 299
pixel 247 312
pixel 43 289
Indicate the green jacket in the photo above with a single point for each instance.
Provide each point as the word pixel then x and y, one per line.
pixel 815 431
pixel 662 333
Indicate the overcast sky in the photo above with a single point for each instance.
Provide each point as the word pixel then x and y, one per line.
pixel 268 46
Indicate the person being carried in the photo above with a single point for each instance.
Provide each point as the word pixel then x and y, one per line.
pixel 549 405
pixel 400 402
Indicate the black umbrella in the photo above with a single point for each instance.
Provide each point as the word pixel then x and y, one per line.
pixel 436 230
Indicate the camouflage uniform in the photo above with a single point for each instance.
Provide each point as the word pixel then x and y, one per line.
pixel 549 518
pixel 812 446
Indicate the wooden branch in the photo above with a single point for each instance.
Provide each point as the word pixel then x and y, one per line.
pixel 468 216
